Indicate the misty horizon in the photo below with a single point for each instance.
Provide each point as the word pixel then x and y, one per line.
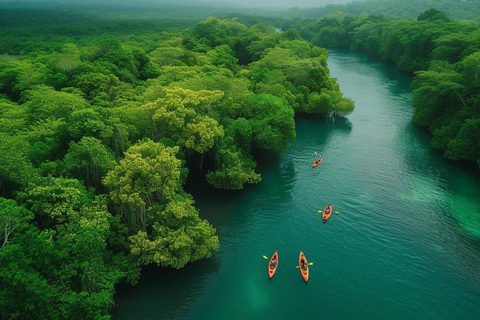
pixel 217 3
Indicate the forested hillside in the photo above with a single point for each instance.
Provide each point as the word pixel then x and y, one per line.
pixel 443 54
pixel 100 125
pixel 456 9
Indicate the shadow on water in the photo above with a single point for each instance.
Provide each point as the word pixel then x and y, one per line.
pixel 173 288
pixel 314 135
pixel 395 251
pixel 334 124
pixel 223 208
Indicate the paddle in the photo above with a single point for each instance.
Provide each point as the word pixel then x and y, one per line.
pixel 265 257
pixel 310 264
pixel 336 212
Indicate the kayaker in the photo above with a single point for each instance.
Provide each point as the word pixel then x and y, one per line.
pixel 273 264
pixel 304 267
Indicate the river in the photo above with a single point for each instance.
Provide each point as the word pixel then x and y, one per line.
pixel 405 244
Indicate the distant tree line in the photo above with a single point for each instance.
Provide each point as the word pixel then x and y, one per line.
pixel 457 9
pixel 443 54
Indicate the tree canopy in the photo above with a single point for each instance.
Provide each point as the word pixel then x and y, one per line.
pixel 98 134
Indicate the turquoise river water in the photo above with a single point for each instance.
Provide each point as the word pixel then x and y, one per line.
pixel 405 244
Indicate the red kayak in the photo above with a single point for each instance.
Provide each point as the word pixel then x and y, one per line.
pixel 317 162
pixel 303 266
pixel 327 212
pixel 272 265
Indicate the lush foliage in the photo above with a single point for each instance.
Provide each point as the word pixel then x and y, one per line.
pixel 445 56
pixel 98 133
pixel 457 9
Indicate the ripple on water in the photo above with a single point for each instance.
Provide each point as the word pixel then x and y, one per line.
pixel 404 245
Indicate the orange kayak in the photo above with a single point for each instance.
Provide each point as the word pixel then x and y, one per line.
pixel 327 212
pixel 317 162
pixel 303 266
pixel 272 265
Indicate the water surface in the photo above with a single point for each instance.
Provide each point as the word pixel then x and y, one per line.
pixel 405 244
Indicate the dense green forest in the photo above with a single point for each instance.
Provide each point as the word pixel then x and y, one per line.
pixel 101 122
pixel 104 115
pixel 456 9
pixel 443 54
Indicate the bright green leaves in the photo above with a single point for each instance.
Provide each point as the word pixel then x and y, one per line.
pixel 271 121
pixel 165 56
pixel 453 47
pixel 436 94
pixel 328 101
pixel 86 125
pixel 223 56
pixel 93 84
pixel 149 173
pixel 63 259
pixel 68 264
pixel 15 168
pixel 178 236
pixel 26 276
pixel 470 71
pixel 234 170
pixel 12 217
pixel 44 102
pixel 446 101
pixel 55 199
pixel 166 227
pixel 214 32
pixel 291 72
pixel 88 122
pixel 201 135
pixel 148 177
pixel 89 160
pixel 179 117
pixel 300 48
pixel 12 117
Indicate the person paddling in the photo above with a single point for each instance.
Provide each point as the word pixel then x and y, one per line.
pixel 273 264
pixel 317 161
pixel 304 267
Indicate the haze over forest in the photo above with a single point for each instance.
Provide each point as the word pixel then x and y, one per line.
pixel 222 3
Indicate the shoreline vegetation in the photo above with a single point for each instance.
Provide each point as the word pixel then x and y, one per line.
pixel 103 116
pixel 101 122
pixel 442 54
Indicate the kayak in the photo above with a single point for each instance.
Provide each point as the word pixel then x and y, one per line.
pixel 327 212
pixel 317 162
pixel 272 265
pixel 304 270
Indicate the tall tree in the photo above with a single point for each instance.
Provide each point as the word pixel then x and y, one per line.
pixel 149 173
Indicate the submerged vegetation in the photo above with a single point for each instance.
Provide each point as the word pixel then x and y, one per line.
pixel 99 129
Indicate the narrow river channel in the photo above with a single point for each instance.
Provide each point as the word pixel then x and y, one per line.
pixel 405 244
